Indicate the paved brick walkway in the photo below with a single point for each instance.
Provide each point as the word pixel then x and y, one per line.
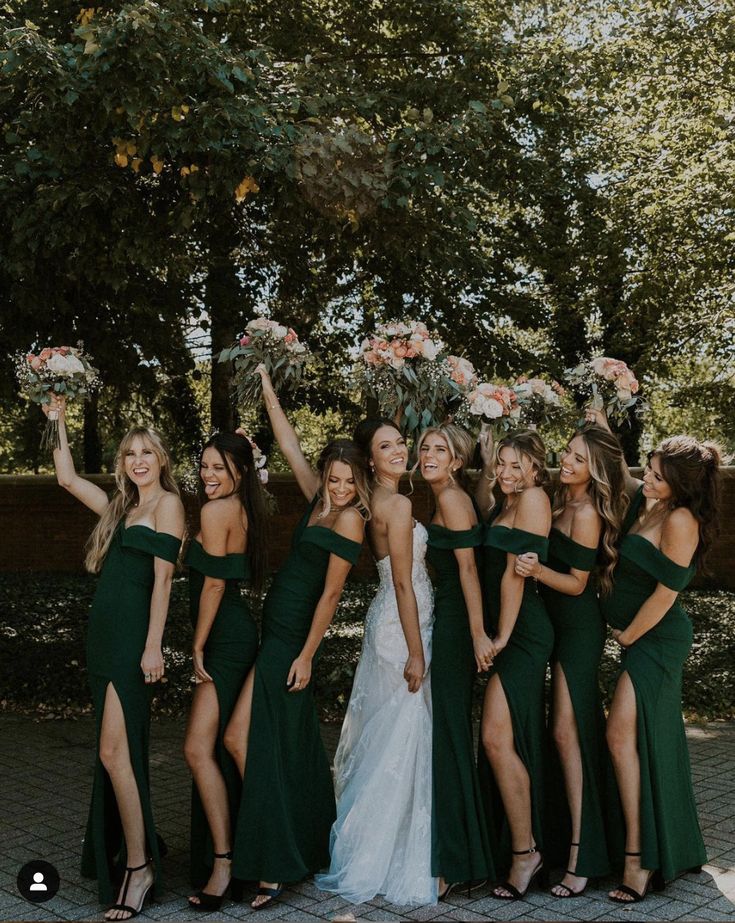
pixel 45 773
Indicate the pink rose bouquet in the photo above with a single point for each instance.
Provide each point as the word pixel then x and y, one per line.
pixel 496 405
pixel 610 385
pixel 65 371
pixel 406 368
pixel 540 401
pixel 278 347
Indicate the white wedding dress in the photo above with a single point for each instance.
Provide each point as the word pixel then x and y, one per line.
pixel 381 840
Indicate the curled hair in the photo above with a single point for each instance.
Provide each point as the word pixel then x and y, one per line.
pixel 528 445
pixel 692 471
pixel 365 432
pixel 126 494
pixel 236 453
pixel 460 445
pixel 606 489
pixel 347 451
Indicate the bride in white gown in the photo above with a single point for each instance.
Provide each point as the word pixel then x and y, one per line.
pixel 381 840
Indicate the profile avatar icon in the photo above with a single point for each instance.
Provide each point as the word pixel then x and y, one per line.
pixel 38 881
pixel 38 884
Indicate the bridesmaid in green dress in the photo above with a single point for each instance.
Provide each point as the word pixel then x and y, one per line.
pixel 460 648
pixel 587 515
pixel 287 806
pixel 513 727
pixel 229 549
pixel 134 548
pixel 670 527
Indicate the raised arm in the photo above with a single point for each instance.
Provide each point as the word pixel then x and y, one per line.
pixel 533 515
pixel 586 528
pixel 599 418
pixel 486 480
pixel 459 517
pixel 169 518
pixel 400 551
pixel 214 524
pixel 306 477
pixel 679 540
pixel 90 494
pixel 350 525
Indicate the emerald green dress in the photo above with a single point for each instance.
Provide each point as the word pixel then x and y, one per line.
pixel 287 806
pixel 460 848
pixel 116 636
pixel 579 639
pixel 670 836
pixel 521 667
pixel 229 654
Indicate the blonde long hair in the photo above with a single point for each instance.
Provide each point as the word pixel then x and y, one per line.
pixel 528 446
pixel 607 492
pixel 126 494
pixel 460 445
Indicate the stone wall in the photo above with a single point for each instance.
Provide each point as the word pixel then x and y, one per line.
pixel 42 528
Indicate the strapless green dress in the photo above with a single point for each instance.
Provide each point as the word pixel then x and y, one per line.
pixel 287 806
pixel 116 636
pixel 671 839
pixel 229 654
pixel 460 848
pixel 521 667
pixel 579 639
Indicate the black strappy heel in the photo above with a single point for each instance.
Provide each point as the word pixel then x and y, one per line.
pixel 207 902
pixel 126 908
pixel 570 891
pixel 513 893
pixel 655 883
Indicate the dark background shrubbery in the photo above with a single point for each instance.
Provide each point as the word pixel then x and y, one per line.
pixel 43 618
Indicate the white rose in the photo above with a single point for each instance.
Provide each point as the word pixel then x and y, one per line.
pixel 64 365
pixel 280 331
pixel 396 362
pixel 260 323
pixel 430 349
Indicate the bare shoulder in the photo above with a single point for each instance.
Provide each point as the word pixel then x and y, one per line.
pixel 456 509
pixel 350 524
pixel 218 511
pixel 586 525
pixel 680 523
pixel 534 499
pixel 169 514
pixel 398 506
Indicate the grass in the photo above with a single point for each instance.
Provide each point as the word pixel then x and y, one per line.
pixel 43 618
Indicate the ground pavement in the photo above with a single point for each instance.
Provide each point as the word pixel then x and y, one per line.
pixel 45 777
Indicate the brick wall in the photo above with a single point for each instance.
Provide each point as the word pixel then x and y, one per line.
pixel 43 528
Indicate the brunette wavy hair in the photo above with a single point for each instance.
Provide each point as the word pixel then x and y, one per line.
pixel 529 446
pixel 125 496
pixel 692 471
pixel 347 451
pixel 606 489
pixel 365 432
pixel 236 453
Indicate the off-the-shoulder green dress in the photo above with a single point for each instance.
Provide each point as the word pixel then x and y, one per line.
pixel 287 806
pixel 229 654
pixel 579 639
pixel 670 836
pixel 116 636
pixel 460 848
pixel 521 668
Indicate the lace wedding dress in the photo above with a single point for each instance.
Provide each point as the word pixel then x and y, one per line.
pixel 381 840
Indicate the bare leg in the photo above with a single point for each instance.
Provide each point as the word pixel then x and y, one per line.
pixel 199 749
pixel 236 737
pixel 512 779
pixel 622 740
pixel 566 738
pixel 115 757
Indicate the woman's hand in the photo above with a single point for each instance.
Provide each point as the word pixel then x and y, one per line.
pixel 264 376
pixel 596 416
pixel 620 638
pixel 57 403
pixel 200 674
pixel 414 671
pixel 485 652
pixel 499 644
pixel 487 448
pixel 528 565
pixel 151 663
pixel 299 675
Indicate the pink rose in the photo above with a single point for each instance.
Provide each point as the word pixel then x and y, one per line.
pixel 400 352
pixel 245 341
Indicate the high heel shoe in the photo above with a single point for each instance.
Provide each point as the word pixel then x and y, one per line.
pixel 206 902
pixel 570 892
pixel 655 882
pixel 469 886
pixel 514 894
pixel 121 905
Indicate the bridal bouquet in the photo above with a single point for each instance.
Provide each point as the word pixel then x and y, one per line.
pixel 277 347
pixel 497 406
pixel 609 384
pixel 65 371
pixel 539 401
pixel 405 367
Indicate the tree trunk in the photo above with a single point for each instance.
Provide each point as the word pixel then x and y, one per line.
pixel 224 299
pixel 92 441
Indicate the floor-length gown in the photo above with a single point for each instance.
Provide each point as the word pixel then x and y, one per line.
pixel 229 654
pixel 116 637
pixel 670 839
pixel 287 806
pixel 381 840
